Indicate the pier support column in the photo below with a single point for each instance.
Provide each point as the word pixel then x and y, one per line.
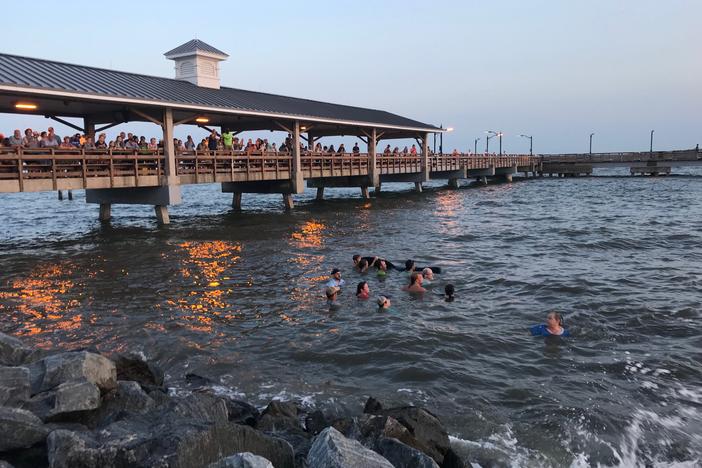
pixel 320 193
pixel 70 195
pixel 507 177
pixel 236 200
pixel 105 211
pixel 454 183
pixel 162 214
pixel 418 187
pixel 378 188
pixel 425 158
pixel 288 201
pixel 483 180
pixel 364 193
pixel 60 195
pixel 373 174
pixel 298 180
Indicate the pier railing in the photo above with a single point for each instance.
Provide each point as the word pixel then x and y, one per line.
pixel 624 157
pixel 23 169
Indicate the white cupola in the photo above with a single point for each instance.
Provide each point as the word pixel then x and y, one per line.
pixel 197 62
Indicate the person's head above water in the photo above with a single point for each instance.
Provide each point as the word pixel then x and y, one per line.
pixel 409 265
pixel 554 320
pixel 362 289
pixel 356 258
pixel 416 278
pixel 383 302
pixel 336 274
pixel 428 274
pixel 449 291
pixel 363 264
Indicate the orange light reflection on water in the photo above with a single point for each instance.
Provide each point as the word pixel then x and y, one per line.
pixel 205 263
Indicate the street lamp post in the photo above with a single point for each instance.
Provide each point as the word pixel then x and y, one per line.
pixel 531 143
pixel 487 143
pixel 475 144
pixel 591 142
pixel 500 135
pixel 651 148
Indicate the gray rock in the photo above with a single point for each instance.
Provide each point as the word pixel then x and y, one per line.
pixel 374 427
pixel 453 460
pixel 134 367
pixel 19 429
pixel 316 422
pixel 4 464
pixel 372 406
pixel 162 440
pixel 332 450
pixel 242 460
pixel 403 456
pixel 52 371
pixel 127 399
pixel 279 416
pixel 75 396
pixel 431 437
pixel 12 351
pixel 202 407
pixel 14 385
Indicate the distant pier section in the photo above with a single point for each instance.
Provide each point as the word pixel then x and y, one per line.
pixel 639 163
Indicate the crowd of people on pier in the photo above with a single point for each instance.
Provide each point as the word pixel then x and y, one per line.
pixel 418 281
pixel 226 141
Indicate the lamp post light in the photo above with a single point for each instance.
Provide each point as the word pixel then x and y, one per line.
pixel 651 148
pixel 531 143
pixel 441 139
pixel 500 135
pixel 487 140
pixel 494 134
pixel 475 146
pixel 591 142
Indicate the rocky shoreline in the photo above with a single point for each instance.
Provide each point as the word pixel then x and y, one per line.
pixel 82 409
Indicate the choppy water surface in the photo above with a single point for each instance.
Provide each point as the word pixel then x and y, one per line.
pixel 237 297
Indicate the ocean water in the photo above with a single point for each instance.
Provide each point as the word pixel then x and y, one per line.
pixel 237 297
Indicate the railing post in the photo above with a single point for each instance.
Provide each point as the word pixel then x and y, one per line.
pixel 373 173
pixel 425 158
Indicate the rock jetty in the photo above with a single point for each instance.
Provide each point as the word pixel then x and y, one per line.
pixel 80 409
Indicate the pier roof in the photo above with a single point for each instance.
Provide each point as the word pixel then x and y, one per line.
pixel 65 89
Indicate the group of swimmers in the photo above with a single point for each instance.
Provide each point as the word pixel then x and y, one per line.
pixel 417 277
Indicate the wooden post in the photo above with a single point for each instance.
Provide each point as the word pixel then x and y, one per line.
pixel 320 193
pixel 425 158
pixel 364 192
pixel 288 201
pixel 236 200
pixel 372 159
pixel 89 128
pixel 453 183
pixel 162 214
pixel 418 187
pixel 169 148
pixel 105 211
pixel 298 181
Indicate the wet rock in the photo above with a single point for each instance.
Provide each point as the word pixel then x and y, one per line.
pixel 403 456
pixel 374 427
pixel 372 406
pixel 239 411
pixel 52 371
pixel 349 427
pixel 19 429
pixel 242 460
pixel 14 385
pixel 4 464
pixel 199 380
pixel 12 351
pixel 426 428
pixel 316 422
pixel 202 407
pixel 332 450
pixel 279 416
pixel 175 442
pixel 75 396
pixel 122 402
pixel 134 367
pixel 453 460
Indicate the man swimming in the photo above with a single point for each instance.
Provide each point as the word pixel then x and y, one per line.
pixel 553 326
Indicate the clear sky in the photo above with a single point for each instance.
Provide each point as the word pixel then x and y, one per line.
pixel 554 69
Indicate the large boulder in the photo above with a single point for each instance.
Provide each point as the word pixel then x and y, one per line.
pixel 127 399
pixel 52 371
pixel 202 407
pixel 332 450
pixel 14 385
pixel 158 439
pixel 430 435
pixel 403 456
pixel 242 460
pixel 374 427
pixel 135 367
pixel 72 397
pixel 19 429
pixel 13 352
pixel 278 416
pixel 4 464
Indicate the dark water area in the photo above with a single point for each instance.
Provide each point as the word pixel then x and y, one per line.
pixel 238 297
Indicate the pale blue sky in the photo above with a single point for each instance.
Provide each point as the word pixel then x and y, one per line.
pixel 555 69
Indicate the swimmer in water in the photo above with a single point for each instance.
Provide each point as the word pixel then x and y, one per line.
pixel 553 326
pixel 428 275
pixel 382 268
pixel 362 290
pixel 331 293
pixel 383 302
pixel 448 293
pixel 415 285
pixel 363 266
pixel 411 266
